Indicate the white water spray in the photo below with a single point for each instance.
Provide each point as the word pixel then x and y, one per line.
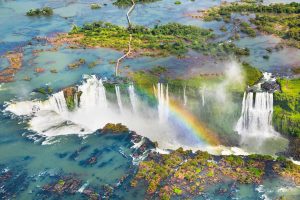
pixel 163 102
pixel 93 93
pixel 202 91
pixel 58 102
pixel 133 98
pixel 119 100
pixel 256 118
pixel 184 96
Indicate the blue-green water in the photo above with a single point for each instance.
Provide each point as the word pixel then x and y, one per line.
pixel 33 165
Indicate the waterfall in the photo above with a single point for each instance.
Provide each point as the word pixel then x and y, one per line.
pixel 93 93
pixel 133 98
pixel 202 90
pixel 118 94
pixel 57 102
pixel 256 117
pixel 184 96
pixel 163 101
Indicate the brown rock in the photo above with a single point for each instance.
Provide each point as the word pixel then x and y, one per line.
pixel 39 70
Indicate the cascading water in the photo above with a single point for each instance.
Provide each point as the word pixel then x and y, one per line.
pixel 119 100
pixel 58 102
pixel 257 111
pixel 133 98
pixel 184 96
pixel 52 117
pixel 256 118
pixel 163 102
pixel 202 91
pixel 93 93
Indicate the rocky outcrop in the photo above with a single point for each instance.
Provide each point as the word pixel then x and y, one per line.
pixel 72 97
pixel 114 128
pixel 39 70
pixel 188 174
pixel 270 86
pixel 15 64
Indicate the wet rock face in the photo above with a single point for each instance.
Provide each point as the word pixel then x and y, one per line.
pixel 270 86
pixel 293 149
pixel 71 96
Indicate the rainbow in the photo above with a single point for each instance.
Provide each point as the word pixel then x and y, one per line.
pixel 190 123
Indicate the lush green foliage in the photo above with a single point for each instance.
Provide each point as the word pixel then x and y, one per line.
pixel 246 28
pixel 46 11
pixel 260 8
pixel 69 94
pixel 172 38
pixel 282 20
pixel 286 26
pixel 44 90
pixel 286 116
pixel 126 3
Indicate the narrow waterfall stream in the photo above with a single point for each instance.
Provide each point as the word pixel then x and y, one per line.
pixel 133 98
pixel 163 101
pixel 119 100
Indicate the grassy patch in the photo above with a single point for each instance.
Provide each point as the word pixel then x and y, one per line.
pixel 286 116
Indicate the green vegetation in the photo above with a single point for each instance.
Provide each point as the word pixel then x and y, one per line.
pixel 76 64
pixel 54 71
pixel 278 19
pixel 286 26
pixel 177 191
pixel 286 116
pixel 114 128
pixel 187 173
pixel 246 28
pixel 147 78
pixel 227 9
pixel 46 11
pixel 223 28
pixel 126 3
pixel 260 157
pixel 92 64
pixel 95 6
pixel 177 3
pixel 252 75
pixel 44 90
pixel 162 40
pixel 69 94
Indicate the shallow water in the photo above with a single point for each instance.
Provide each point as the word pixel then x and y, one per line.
pixel 22 150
